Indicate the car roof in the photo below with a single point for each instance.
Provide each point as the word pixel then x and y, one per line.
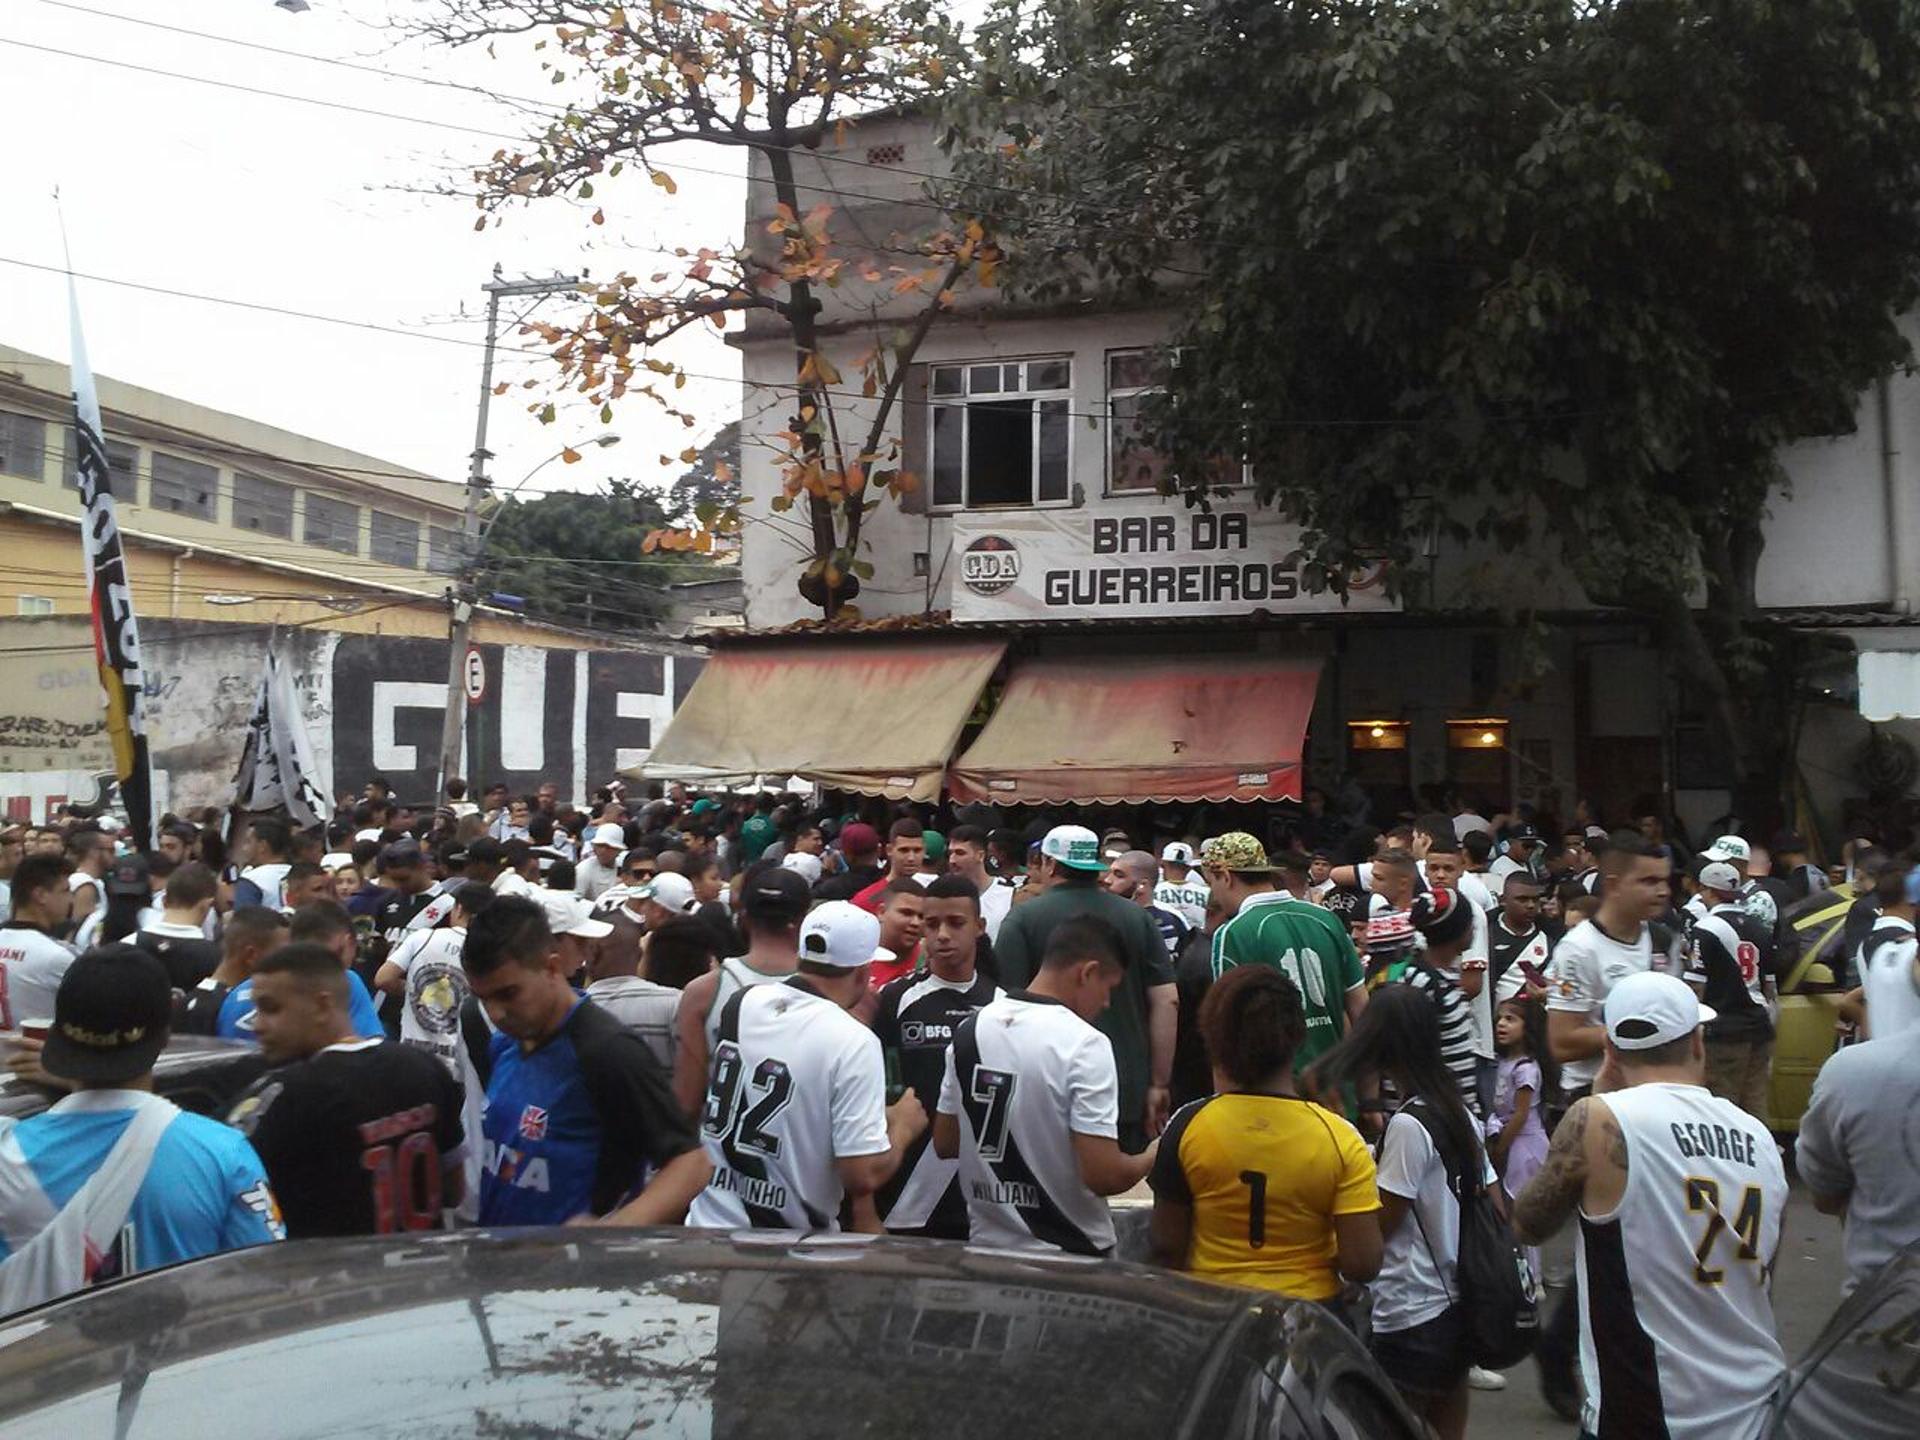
pixel 184 1057
pixel 591 1332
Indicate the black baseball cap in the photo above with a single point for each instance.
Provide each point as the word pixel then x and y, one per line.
pixel 776 893
pixel 129 876
pixel 110 1017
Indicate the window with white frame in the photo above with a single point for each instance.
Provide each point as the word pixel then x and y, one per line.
pixel 35 605
pixel 1134 466
pixel 1001 434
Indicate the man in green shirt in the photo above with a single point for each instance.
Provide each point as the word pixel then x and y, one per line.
pixel 1140 1019
pixel 759 831
pixel 1301 940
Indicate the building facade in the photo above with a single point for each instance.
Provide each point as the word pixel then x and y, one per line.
pixel 1038 518
pixel 238 535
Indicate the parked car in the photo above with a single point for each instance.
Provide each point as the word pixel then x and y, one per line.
pixel 1810 995
pixel 197 1073
pixel 589 1332
pixel 1861 1378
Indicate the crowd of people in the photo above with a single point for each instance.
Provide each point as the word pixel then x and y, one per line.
pixel 1316 1051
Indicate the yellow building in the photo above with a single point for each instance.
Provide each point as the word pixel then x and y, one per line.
pixel 224 518
pixel 238 535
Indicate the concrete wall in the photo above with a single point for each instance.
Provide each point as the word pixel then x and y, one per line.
pixel 373 703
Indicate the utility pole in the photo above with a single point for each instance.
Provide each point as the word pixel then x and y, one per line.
pixel 462 594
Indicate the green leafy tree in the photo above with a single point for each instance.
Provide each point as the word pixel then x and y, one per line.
pixel 583 558
pixel 1562 274
pixel 778 77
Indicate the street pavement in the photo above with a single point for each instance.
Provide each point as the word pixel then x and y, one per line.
pixel 1806 1291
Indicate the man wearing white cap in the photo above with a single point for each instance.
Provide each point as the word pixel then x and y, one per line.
pixel 1732 850
pixel 1142 1018
pixel 1679 1195
pixel 796 1118
pixel 575 928
pixel 1725 953
pixel 1180 889
pixel 601 868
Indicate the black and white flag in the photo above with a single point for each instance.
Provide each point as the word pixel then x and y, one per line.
pixel 276 763
pixel 116 635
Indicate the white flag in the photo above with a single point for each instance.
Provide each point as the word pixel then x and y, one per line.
pixel 276 763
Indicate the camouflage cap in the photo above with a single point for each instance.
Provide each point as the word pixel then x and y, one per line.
pixel 1237 850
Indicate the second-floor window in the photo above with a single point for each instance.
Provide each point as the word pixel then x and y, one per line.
pixel 123 467
pixel 263 506
pixel 394 540
pixel 1133 465
pixel 1001 433
pixel 23 444
pixel 332 525
pixel 183 487
pixel 443 549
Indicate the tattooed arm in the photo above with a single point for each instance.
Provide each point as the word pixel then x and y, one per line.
pixel 1555 1190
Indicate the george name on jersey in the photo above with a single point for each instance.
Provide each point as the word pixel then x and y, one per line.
pixel 770 1194
pixel 1017 1193
pixel 1713 1142
pixel 510 1167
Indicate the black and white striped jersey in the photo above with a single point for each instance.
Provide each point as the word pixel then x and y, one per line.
pixel 1026 1074
pixel 794 1083
pixel 916 1020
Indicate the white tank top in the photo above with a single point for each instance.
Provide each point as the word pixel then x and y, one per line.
pixel 1676 1332
pixel 735 974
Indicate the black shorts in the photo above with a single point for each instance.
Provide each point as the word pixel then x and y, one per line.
pixel 1429 1360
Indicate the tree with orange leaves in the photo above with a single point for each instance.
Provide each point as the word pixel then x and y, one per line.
pixel 779 78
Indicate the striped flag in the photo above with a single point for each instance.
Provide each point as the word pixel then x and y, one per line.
pixel 116 636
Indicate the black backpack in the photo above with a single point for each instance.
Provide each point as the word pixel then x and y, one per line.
pixel 1499 1296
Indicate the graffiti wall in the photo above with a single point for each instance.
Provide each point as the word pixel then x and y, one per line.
pixel 374 704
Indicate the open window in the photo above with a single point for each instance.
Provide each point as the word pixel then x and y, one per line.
pixel 999 433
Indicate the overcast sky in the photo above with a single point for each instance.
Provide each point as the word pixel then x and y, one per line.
pixel 182 185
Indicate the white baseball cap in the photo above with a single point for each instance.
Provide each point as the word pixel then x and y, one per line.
pixel 1718 875
pixel 1728 847
pixel 1651 1009
pixel 1074 846
pixel 806 866
pixel 669 889
pixel 609 835
pixel 841 934
pixel 1178 852
pixel 569 914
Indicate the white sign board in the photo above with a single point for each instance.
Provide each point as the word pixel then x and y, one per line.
pixel 1142 558
pixel 475 676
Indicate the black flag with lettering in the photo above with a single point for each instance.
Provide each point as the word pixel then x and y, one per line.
pixel 116 635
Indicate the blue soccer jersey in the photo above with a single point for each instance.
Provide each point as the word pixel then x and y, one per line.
pixel 205 1191
pixel 574 1126
pixel 236 1011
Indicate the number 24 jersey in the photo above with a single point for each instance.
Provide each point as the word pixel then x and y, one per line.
pixel 1678 1337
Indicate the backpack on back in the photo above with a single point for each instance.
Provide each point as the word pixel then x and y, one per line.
pixel 1499 1295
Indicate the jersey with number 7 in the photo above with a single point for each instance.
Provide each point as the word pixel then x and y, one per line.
pixel 1677 1334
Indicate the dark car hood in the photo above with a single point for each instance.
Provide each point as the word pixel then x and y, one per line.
pixel 588 1333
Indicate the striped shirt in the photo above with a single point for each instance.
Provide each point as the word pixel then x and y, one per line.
pixel 1456 1027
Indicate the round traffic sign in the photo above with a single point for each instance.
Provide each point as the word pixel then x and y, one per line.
pixel 476 677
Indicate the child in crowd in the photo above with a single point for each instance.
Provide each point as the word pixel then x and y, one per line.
pixel 1516 1136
